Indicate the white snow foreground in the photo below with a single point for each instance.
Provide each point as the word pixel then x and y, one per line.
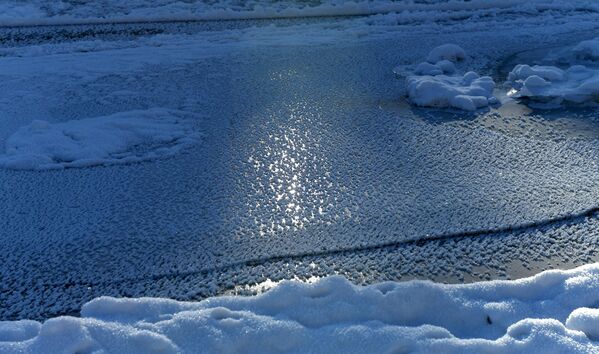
pixel 435 82
pixel 552 85
pixel 119 138
pixel 550 312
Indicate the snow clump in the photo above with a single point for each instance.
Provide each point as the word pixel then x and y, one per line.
pixel 436 83
pixel 115 139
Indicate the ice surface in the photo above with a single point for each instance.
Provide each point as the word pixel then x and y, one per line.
pixel 533 315
pixel 119 138
pixel 293 166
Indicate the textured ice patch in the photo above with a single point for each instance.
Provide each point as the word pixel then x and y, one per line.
pixel 119 138
pixel 331 314
pixel 435 82
pixel 549 84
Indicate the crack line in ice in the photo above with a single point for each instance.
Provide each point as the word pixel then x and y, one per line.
pixel 570 219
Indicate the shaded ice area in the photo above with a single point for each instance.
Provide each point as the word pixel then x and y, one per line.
pixel 550 312
pixel 552 85
pixel 431 85
pixel 292 167
pixel 115 139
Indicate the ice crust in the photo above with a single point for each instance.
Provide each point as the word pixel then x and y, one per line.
pixel 547 312
pixel 119 138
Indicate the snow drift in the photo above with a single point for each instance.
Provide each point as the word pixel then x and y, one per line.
pixel 549 84
pixel 435 82
pixel 552 311
pixel 553 85
pixel 119 138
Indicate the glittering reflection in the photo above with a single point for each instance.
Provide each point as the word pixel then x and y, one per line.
pixel 290 177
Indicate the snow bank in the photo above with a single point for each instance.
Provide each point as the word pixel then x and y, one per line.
pixel 119 138
pixel 548 312
pixel 35 12
pixel 549 84
pixel 433 84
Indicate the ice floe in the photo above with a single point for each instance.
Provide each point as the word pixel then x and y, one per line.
pixel 435 82
pixel 550 311
pixel 119 138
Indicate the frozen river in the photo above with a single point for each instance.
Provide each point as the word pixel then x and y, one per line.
pixel 310 162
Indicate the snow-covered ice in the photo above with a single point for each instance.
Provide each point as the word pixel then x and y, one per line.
pixel 545 313
pixel 119 138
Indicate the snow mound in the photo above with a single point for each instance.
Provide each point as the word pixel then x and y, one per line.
pixel 585 320
pixel 119 138
pixel 587 50
pixel 331 314
pixel 468 92
pixel 451 52
pixel 549 84
pixel 436 83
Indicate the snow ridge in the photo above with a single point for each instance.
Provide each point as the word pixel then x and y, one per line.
pixel 552 310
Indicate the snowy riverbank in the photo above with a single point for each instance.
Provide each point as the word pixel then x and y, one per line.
pixel 554 311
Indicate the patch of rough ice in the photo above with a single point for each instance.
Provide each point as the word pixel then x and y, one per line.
pixel 119 138
pixel 435 82
pixel 549 84
pixel 525 315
